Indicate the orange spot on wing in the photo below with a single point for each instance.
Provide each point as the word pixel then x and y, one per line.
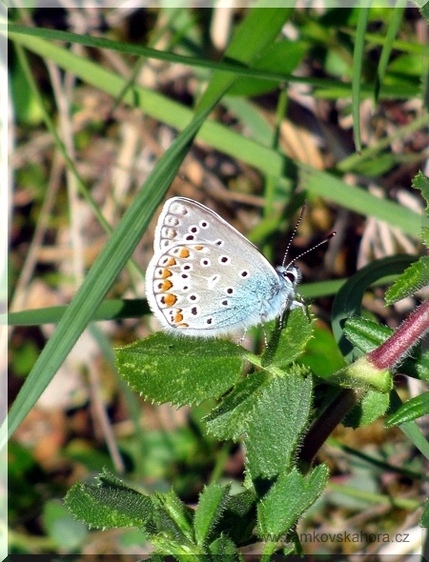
pixel 166 273
pixel 184 253
pixel 199 247
pixel 169 299
pixel 166 285
pixel 178 317
pixel 171 261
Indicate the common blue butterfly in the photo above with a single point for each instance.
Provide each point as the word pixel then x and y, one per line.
pixel 206 279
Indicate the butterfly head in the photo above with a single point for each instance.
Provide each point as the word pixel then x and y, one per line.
pixel 291 274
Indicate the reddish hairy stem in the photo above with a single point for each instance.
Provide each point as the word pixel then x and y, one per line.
pixel 408 334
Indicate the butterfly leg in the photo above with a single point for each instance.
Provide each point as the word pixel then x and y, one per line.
pixel 243 337
pixel 300 304
pixel 265 336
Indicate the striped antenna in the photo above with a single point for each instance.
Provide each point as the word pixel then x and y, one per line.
pixel 298 222
pixel 301 214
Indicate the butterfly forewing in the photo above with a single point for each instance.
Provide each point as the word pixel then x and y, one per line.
pixel 205 277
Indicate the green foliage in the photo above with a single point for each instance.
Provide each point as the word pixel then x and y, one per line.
pixel 212 504
pixel 371 407
pixel 282 57
pixel 416 407
pixel 416 276
pixel 275 515
pixel 109 503
pixel 180 370
pixel 291 342
pixel 271 408
pixel 176 529
pixel 280 414
pixel 366 336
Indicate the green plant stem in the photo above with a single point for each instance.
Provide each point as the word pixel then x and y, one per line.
pixel 269 549
pixel 325 424
pixel 219 466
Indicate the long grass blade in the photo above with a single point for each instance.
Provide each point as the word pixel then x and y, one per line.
pixel 129 231
pixel 100 277
pixel 394 25
pixel 357 71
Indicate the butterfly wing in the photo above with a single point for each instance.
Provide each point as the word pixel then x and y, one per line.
pixel 183 220
pixel 207 279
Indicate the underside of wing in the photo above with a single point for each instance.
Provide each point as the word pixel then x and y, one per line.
pixel 202 287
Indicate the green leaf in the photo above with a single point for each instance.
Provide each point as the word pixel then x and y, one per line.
pixel 424 519
pixel 174 519
pixel 411 429
pixel 110 503
pixel 412 409
pixel 415 277
pixel 372 406
pixel 239 518
pixel 289 497
pixel 322 355
pixel 108 310
pixel 292 341
pixel 365 334
pixel 224 549
pixel 407 65
pixel 182 371
pixel 212 502
pixel 421 182
pixel 395 21
pixel 263 26
pixel 278 418
pixel 348 300
pixel 230 418
pixel 375 167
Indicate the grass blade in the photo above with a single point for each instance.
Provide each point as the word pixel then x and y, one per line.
pixel 101 275
pixel 392 30
pixel 357 71
pixel 134 222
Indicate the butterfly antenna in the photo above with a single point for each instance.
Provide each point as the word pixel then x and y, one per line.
pixel 312 248
pixel 298 222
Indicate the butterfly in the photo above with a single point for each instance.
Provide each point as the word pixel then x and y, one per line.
pixel 206 279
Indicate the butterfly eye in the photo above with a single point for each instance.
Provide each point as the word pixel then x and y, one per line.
pixel 291 276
